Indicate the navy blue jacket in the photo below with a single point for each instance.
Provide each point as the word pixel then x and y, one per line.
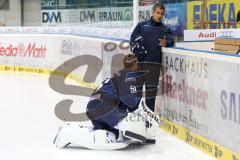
pixel 114 98
pixel 151 32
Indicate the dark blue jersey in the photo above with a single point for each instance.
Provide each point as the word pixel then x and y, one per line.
pixel 114 98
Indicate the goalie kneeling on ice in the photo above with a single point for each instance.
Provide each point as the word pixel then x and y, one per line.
pixel 137 127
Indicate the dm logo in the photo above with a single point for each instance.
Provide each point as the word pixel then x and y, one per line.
pixel 51 17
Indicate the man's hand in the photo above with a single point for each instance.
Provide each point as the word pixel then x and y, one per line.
pixel 163 42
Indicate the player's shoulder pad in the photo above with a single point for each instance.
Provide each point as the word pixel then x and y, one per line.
pixel 130 76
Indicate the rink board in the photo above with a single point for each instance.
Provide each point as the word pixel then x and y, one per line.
pixel 209 147
pixel 205 94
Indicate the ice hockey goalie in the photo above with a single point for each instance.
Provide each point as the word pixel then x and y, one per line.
pixel 119 117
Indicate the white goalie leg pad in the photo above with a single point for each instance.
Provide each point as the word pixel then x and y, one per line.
pixel 135 125
pixel 82 136
pixel 141 122
pixel 151 117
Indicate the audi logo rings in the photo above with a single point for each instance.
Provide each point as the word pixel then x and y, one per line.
pixel 226 34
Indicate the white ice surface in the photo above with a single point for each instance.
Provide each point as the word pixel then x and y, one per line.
pixel 28 126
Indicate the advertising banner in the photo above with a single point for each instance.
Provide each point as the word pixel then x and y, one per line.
pixel 210 34
pixel 176 17
pixel 216 12
pixel 31 51
pixel 204 96
pixel 98 17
